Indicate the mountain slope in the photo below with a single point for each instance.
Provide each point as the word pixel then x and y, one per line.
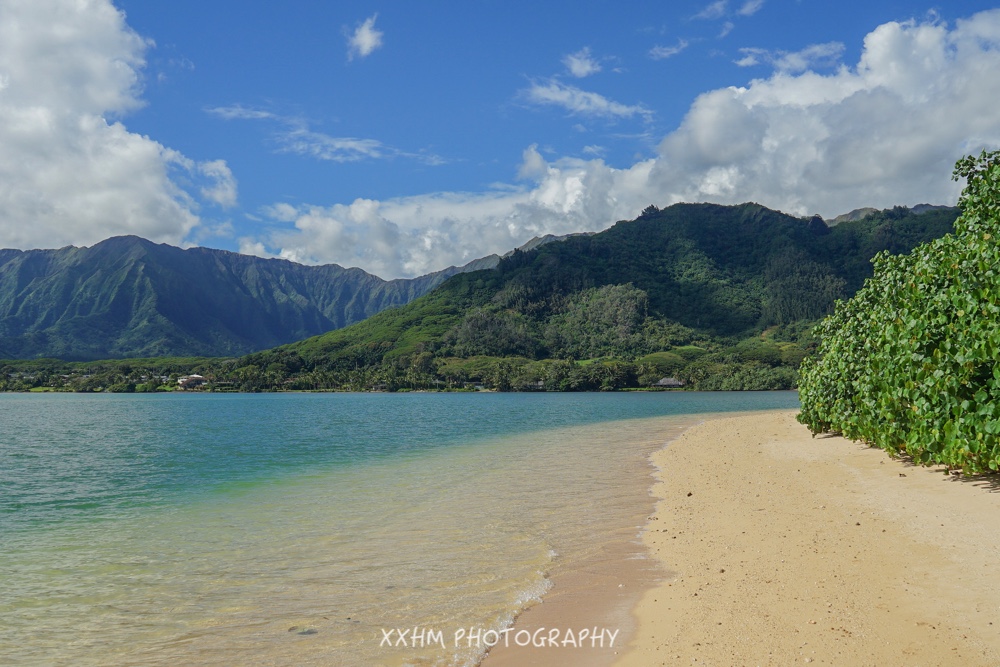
pixel 128 297
pixel 691 272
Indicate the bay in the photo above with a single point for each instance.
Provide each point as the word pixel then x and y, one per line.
pixel 294 529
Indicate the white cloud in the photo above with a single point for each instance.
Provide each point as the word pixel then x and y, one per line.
pixel 815 55
pixel 720 9
pixel 364 40
pixel 714 10
pixel 533 165
pixel 577 101
pixel 282 212
pixel 297 137
pixel 884 132
pixel 581 64
pixel 240 112
pixel 750 7
pixel 415 235
pixel 250 246
pixel 303 141
pixel 69 171
pixel 663 52
pixel 222 189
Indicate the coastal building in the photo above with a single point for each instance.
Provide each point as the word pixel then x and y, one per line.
pixel 191 381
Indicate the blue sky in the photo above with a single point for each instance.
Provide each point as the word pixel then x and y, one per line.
pixel 404 137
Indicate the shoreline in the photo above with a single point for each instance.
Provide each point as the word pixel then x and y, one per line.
pixel 770 547
pixel 600 593
pixel 785 548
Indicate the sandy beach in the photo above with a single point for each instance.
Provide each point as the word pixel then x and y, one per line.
pixel 776 548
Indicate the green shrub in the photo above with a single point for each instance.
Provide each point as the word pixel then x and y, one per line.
pixel 912 362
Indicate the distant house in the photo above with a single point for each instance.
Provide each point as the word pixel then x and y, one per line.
pixel 190 381
pixel 669 383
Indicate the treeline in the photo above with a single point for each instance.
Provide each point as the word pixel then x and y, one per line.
pixel 755 364
pixel 120 375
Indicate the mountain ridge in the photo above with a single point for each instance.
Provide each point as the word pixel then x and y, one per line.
pixel 129 297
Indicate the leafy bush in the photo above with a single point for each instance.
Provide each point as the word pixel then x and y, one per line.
pixel 752 376
pixel 912 362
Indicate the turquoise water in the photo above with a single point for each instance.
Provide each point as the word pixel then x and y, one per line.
pixel 291 529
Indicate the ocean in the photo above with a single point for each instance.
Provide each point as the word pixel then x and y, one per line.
pixel 310 529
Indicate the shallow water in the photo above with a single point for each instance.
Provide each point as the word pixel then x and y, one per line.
pixel 299 529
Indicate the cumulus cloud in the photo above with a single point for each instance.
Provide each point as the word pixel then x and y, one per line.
pixel 885 131
pixel 70 171
pixel 581 102
pixel 364 40
pixel 581 64
pixel 221 188
pixel 415 235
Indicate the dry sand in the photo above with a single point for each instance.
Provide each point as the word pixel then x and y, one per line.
pixel 784 549
pixel 776 548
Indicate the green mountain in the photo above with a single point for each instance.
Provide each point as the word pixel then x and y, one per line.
pixel 693 289
pixel 128 297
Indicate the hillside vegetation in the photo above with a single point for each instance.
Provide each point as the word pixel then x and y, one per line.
pixel 721 297
pixel 717 297
pixel 128 297
pixel 911 364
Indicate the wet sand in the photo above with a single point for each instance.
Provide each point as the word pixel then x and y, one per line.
pixel 770 547
pixel 594 595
